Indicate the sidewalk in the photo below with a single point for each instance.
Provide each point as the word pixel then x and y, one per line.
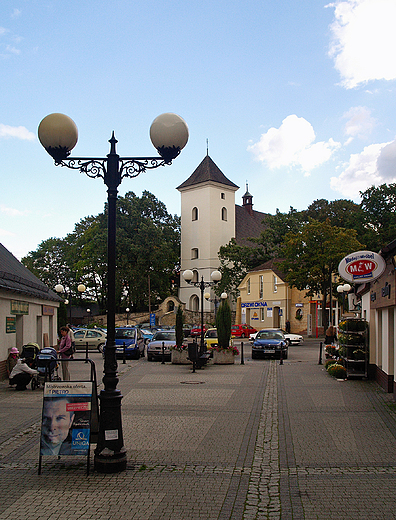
pixel 259 440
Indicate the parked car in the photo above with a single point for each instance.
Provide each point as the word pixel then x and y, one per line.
pixel 186 330
pixel 210 338
pixel 154 348
pixel 133 340
pixel 95 338
pixel 291 339
pixel 242 331
pixel 270 343
pixel 196 330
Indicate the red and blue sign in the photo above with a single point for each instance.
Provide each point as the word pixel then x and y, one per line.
pixel 361 267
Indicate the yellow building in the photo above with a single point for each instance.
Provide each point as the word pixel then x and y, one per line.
pixel 266 300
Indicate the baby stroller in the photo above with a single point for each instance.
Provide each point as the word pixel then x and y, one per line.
pixel 31 350
pixel 47 367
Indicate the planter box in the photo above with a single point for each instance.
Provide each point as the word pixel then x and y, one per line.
pixel 180 358
pixel 224 357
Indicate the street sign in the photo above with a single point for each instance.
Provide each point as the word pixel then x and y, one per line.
pixel 361 267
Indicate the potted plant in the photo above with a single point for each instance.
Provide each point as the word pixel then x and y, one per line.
pixel 179 352
pixel 225 352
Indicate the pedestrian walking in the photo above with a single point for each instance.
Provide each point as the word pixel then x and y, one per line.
pixel 66 352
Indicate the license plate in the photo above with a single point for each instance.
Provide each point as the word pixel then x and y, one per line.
pixel 269 351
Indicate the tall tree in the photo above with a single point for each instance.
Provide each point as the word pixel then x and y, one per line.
pixel 379 207
pixel 312 255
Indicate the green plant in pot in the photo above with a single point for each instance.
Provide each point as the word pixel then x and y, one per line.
pixel 223 325
pixel 179 328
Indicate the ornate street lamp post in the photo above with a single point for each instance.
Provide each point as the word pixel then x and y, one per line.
pixel 216 277
pixel 344 289
pixel 58 134
pixel 60 289
pixel 215 301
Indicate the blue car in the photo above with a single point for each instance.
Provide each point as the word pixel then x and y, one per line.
pixel 270 343
pixel 131 340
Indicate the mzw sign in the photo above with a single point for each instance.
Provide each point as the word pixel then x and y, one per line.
pixel 361 267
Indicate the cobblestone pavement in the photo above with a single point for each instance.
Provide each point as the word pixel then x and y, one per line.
pixel 253 441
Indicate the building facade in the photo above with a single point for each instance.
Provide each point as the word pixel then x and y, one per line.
pixel 267 301
pixel 210 219
pixel 28 308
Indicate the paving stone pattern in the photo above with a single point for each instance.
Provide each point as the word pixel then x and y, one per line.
pixel 253 441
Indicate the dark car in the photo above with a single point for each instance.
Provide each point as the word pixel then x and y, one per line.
pixel 270 343
pixel 131 339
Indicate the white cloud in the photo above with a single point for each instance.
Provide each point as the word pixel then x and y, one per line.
pixel 359 124
pixel 16 13
pixel 374 166
pixel 292 144
pixel 19 132
pixel 12 212
pixel 4 233
pixel 363 40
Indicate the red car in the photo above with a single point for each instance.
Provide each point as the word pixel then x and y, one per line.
pixel 242 331
pixel 196 330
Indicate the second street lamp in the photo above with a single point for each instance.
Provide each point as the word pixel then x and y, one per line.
pixel 58 134
pixel 216 277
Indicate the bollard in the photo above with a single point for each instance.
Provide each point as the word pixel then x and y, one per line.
pixel 192 354
pixel 86 352
pixel 242 358
pixel 320 353
pixel 281 357
pixel 163 353
pixel 124 354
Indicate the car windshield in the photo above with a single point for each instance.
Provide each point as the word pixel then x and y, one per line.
pixel 269 334
pixel 211 334
pixel 125 333
pixel 165 335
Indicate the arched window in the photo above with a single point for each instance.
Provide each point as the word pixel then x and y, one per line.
pixel 194 253
pixel 223 213
pixel 222 195
pixel 171 305
pixel 194 303
pixel 195 276
pixel 194 213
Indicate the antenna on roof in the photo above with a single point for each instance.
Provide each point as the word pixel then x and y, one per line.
pixel 207 146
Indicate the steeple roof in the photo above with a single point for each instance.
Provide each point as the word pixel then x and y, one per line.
pixel 205 173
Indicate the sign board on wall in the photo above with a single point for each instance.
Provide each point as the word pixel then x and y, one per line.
pixel 10 324
pixel 361 267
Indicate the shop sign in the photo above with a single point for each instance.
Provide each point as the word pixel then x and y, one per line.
pixel 10 324
pixel 254 304
pixel 48 310
pixel 361 267
pixel 18 307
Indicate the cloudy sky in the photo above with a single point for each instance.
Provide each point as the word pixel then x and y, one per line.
pixel 298 102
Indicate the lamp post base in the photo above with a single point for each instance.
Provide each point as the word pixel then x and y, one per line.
pixel 110 454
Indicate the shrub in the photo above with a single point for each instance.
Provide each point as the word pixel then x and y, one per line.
pixel 179 327
pixel 223 325
pixel 337 371
pixel 330 362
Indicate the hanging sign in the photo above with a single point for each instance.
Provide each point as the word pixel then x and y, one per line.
pixel 361 267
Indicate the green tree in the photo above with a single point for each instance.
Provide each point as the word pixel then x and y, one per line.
pixel 312 255
pixel 223 324
pixel 379 209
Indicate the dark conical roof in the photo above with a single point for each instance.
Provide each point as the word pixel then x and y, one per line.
pixel 207 171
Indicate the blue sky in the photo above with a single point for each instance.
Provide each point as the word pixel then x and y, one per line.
pixel 296 98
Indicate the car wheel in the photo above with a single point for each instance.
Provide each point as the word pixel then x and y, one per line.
pixel 100 348
pixel 288 342
pixel 149 357
pixel 142 353
pixel 243 336
pixel 254 356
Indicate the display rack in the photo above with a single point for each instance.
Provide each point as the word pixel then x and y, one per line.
pixel 353 346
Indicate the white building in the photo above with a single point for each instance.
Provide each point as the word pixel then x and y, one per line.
pixel 209 219
pixel 28 308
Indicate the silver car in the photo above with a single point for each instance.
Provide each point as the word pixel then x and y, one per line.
pixel 95 338
pixel 162 338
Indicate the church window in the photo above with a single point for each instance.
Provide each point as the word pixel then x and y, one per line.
pixel 222 196
pixel 195 213
pixel 194 253
pixel 223 213
pixel 195 276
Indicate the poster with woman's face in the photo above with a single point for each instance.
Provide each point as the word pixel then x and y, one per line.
pixel 66 417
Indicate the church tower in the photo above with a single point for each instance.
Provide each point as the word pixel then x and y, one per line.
pixel 207 222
